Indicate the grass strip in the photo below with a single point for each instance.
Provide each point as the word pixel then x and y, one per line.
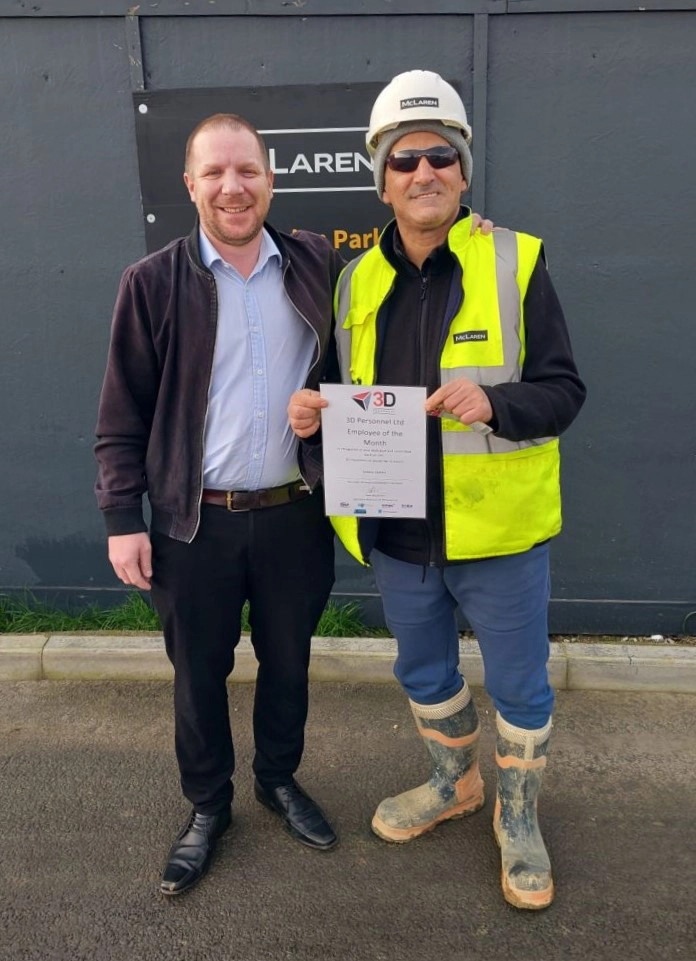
pixel 26 614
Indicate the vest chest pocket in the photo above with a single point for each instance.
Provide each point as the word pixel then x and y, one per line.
pixel 475 342
pixel 358 316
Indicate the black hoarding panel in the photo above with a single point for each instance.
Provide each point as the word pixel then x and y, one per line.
pixel 602 168
pixel 323 175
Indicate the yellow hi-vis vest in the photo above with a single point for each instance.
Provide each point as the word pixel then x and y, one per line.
pixel 500 496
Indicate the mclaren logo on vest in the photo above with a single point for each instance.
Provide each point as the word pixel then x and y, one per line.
pixel 465 336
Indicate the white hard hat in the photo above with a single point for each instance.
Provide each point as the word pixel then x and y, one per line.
pixel 416 95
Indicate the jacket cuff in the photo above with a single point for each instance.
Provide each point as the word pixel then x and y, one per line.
pixel 127 520
pixel 309 457
pixel 313 441
pixel 493 423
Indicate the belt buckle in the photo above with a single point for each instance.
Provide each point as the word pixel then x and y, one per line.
pixel 240 501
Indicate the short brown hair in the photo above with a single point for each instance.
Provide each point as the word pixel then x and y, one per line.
pixel 233 122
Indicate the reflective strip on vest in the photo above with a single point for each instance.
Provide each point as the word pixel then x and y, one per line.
pixel 358 294
pixel 456 437
pixel 341 309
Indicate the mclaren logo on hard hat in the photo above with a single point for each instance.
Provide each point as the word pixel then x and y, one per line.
pixel 420 102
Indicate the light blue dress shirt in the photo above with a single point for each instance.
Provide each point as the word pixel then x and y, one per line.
pixel 263 351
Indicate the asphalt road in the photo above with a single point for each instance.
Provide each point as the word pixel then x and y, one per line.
pixel 89 803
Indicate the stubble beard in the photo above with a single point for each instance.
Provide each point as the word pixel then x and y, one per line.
pixel 233 240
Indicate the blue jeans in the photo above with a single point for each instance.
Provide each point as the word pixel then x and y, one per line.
pixel 504 599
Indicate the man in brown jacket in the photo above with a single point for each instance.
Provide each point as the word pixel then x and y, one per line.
pixel 210 337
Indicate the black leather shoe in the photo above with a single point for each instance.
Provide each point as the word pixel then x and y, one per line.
pixel 301 816
pixel 190 855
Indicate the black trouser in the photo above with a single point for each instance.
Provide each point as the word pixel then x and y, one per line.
pixel 281 560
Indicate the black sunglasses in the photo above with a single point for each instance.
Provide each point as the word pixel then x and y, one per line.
pixel 406 161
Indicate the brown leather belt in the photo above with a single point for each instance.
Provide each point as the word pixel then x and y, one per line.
pixel 253 500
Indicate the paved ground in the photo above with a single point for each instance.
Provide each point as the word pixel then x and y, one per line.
pixel 89 804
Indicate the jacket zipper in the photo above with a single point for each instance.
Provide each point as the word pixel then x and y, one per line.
pixel 423 376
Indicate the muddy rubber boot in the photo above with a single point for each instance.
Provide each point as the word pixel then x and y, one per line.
pixel 450 732
pixel 526 869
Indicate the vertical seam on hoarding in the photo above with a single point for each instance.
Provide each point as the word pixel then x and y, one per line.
pixel 480 104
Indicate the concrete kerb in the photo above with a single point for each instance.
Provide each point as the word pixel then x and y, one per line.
pixel 127 657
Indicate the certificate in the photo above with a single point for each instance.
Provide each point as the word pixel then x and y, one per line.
pixel 374 450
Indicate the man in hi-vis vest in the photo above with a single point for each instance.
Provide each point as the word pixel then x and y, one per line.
pixel 475 319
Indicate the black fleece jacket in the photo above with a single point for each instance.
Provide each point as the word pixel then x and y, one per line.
pixel 409 343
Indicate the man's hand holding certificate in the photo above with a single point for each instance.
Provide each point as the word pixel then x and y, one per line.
pixel 374 450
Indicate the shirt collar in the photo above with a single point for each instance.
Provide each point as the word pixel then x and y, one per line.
pixel 268 250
